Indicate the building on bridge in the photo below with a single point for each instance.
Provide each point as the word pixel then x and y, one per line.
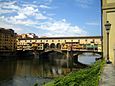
pixel 61 43
pixel 108 14
pixel 28 35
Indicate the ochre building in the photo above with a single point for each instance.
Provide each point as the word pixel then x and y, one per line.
pixel 7 40
pixel 108 14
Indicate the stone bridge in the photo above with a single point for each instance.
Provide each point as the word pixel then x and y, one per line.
pixel 71 53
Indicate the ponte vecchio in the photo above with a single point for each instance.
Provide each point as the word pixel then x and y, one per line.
pixel 86 43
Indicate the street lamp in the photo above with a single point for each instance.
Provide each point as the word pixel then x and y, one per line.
pixel 107 27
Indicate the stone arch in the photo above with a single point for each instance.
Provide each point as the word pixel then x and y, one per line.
pixel 46 45
pixel 58 46
pixel 52 45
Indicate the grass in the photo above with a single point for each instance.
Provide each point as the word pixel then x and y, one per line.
pixel 84 77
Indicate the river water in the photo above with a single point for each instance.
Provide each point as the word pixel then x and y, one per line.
pixel 27 72
pixel 88 58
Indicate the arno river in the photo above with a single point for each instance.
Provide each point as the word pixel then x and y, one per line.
pixel 27 72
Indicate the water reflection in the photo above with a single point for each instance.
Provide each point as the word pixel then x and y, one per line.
pixel 26 72
pixel 7 69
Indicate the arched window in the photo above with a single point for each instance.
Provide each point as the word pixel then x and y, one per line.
pixel 46 45
pixel 52 45
pixel 58 46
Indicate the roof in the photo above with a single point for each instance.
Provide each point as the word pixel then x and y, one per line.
pixel 46 38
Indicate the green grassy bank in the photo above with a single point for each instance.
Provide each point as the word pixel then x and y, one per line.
pixel 85 77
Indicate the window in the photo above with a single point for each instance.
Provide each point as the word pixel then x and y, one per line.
pixel 58 40
pixel 93 40
pixel 52 40
pixel 65 40
pixel 46 40
pixel 71 40
pixel 78 40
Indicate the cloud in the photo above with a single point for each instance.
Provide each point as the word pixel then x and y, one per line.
pixel 32 5
pixel 34 2
pixel 6 11
pixel 62 28
pixel 26 14
pixel 29 16
pixel 55 25
pixel 44 6
pixel 84 3
pixel 20 16
pixel 47 2
pixel 17 21
pixel 25 22
pixel 9 26
pixel 5 25
pixel 13 20
pixel 9 5
pixel 28 10
pixel 40 16
pixel 33 11
pixel 7 2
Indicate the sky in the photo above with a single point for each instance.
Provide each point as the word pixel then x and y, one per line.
pixel 52 18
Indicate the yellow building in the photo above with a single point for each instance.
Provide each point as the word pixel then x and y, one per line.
pixel 108 14
pixel 28 35
pixel 7 40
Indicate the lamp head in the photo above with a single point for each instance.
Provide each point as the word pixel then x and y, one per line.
pixel 107 26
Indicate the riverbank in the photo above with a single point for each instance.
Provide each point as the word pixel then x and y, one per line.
pixel 85 77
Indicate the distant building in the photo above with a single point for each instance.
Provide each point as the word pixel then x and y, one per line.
pixel 108 14
pixel 7 40
pixel 28 35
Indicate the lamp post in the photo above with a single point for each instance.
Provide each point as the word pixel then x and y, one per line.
pixel 107 27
